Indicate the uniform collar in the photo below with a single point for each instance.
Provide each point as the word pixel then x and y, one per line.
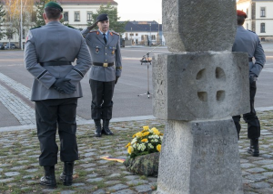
pixel 53 23
pixel 106 33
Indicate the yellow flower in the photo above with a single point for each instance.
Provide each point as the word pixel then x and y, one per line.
pixel 130 150
pixel 161 134
pixel 128 145
pixel 145 134
pixel 144 140
pixel 139 134
pixel 155 131
pixel 145 128
pixel 158 147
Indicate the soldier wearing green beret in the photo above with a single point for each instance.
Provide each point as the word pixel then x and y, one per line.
pixel 49 54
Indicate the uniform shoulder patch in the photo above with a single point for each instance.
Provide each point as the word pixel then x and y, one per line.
pixel 115 33
pixel 91 31
pixel 35 27
pixel 71 27
pixel 252 31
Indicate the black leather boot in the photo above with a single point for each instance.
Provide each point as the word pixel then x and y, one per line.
pixel 254 147
pixel 105 129
pixel 250 149
pixel 49 178
pixel 67 174
pixel 98 128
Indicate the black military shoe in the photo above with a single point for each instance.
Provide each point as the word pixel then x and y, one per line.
pixel 98 128
pixel 254 147
pixel 49 179
pixel 105 129
pixel 67 174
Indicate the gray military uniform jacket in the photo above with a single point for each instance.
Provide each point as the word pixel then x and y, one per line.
pixel 55 42
pixel 104 53
pixel 248 42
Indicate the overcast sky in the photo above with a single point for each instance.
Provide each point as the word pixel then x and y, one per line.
pixel 140 10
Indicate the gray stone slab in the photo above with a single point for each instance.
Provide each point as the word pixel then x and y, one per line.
pixel 94 180
pixel 256 170
pixel 260 185
pixel 143 188
pixel 117 187
pixel 12 173
pixel 198 26
pixel 125 191
pixel 200 153
pixel 6 180
pixel 100 191
pixel 205 88
pixel 68 192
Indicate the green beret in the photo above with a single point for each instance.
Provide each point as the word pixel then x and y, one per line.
pixel 53 4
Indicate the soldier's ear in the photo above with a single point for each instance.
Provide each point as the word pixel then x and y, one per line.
pixel 61 16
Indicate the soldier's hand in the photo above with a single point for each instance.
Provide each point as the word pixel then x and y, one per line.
pixel 116 80
pixel 252 79
pixel 63 85
pixel 93 26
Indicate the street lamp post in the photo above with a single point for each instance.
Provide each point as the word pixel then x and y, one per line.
pixel 21 25
pixel 150 36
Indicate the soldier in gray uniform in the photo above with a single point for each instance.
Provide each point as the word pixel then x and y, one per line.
pixel 104 46
pixel 49 53
pixel 248 42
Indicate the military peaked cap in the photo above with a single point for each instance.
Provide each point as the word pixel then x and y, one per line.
pixel 102 17
pixel 55 5
pixel 241 13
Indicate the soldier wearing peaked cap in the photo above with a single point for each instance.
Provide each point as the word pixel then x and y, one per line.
pixel 106 68
pixel 248 42
pixel 49 52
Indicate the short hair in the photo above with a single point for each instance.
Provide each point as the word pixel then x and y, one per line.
pixel 240 20
pixel 52 13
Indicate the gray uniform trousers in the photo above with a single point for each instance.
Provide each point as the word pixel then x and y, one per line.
pixel 102 94
pixel 250 118
pixel 51 114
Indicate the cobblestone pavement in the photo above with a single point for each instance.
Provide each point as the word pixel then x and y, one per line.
pixel 20 172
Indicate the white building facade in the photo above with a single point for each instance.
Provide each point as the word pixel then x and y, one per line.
pixel 77 13
pixel 259 17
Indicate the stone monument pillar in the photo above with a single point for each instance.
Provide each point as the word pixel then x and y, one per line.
pixel 197 88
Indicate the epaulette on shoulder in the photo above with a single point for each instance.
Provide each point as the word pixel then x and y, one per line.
pixel 71 27
pixel 252 31
pixel 35 27
pixel 115 33
pixel 92 31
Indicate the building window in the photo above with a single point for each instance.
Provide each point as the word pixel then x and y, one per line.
pixel 24 34
pixel 142 37
pixel 153 37
pixel 262 27
pixel 76 16
pixel 89 16
pixel 262 11
pixel 136 34
pixel 66 16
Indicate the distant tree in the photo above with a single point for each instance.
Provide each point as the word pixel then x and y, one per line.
pixel 2 20
pixel 13 14
pixel 113 17
pixel 39 7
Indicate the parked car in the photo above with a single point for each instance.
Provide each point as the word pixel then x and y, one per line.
pixel 10 45
pixel 2 47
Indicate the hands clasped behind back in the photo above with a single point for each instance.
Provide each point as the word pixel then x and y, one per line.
pixel 63 85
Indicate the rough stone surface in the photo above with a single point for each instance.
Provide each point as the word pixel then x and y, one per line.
pixel 199 25
pixel 200 153
pixel 195 86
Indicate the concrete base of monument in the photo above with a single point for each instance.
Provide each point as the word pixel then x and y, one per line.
pixel 200 156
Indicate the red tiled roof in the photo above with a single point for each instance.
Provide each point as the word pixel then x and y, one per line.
pixel 87 2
